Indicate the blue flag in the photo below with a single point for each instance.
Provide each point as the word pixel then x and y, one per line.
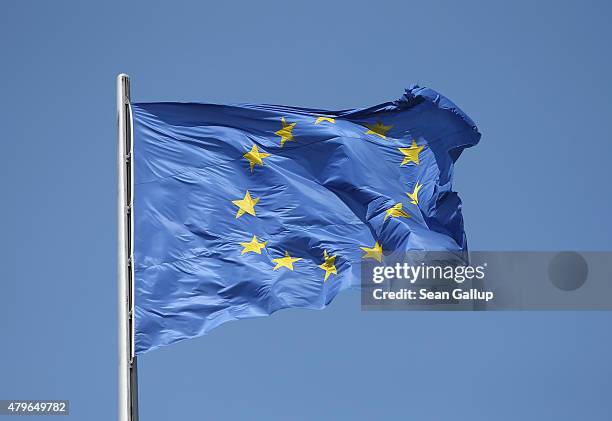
pixel 242 210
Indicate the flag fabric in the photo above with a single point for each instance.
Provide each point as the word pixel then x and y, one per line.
pixel 242 210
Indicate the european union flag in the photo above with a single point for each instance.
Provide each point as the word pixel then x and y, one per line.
pixel 242 210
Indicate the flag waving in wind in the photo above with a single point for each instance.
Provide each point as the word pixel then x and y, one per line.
pixel 242 210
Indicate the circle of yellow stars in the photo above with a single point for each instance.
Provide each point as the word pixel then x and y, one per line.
pixel 246 205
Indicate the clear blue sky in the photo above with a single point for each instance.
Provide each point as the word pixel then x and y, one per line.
pixel 535 76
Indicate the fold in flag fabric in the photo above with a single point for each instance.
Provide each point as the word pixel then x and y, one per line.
pixel 242 210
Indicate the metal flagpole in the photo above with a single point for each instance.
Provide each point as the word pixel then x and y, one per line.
pixel 128 380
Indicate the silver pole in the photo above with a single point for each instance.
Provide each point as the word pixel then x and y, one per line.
pixel 128 381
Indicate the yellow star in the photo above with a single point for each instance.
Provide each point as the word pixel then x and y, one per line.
pixel 328 119
pixel 253 245
pixel 285 133
pixel 378 129
pixel 246 205
pixel 255 157
pixel 286 261
pixel 411 154
pixel 329 265
pixel 414 196
pixel 396 211
pixel 373 253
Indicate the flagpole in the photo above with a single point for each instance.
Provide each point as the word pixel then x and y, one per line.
pixel 127 374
